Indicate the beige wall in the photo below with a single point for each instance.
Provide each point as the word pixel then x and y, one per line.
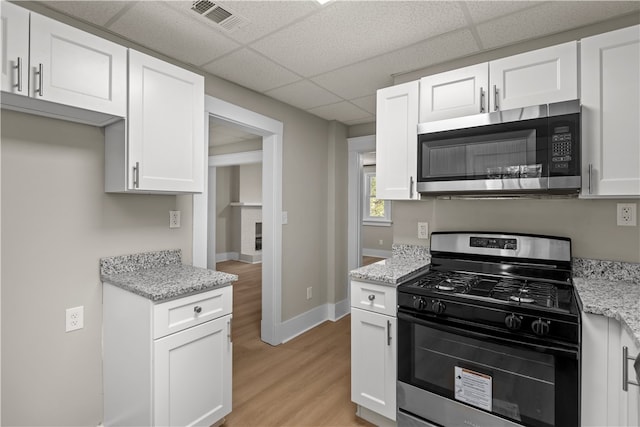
pixel 251 183
pixel 591 224
pixel 371 236
pixel 57 222
pixel 227 218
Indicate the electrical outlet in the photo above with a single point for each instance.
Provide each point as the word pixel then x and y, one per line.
pixel 381 242
pixel 626 214
pixel 285 217
pixel 174 219
pixel 309 292
pixel 75 318
pixel 423 230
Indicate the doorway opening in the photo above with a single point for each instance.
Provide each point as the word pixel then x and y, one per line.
pixel 204 228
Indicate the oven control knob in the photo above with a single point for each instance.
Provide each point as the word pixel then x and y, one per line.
pixel 513 322
pixel 540 327
pixel 438 307
pixel 419 304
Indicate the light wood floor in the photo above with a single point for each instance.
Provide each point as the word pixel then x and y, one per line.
pixel 366 260
pixel 304 382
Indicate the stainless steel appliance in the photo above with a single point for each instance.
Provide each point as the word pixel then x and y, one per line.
pixel 490 335
pixel 520 151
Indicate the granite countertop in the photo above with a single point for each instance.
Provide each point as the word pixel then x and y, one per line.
pixel 610 288
pixel 160 276
pixel 406 262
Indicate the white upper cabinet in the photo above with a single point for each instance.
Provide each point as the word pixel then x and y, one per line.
pixel 397 141
pixel 161 146
pixel 610 86
pixel 81 77
pixel 72 67
pixel 455 93
pixel 14 45
pixel 538 77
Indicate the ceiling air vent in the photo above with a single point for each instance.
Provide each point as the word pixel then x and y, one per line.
pixel 223 17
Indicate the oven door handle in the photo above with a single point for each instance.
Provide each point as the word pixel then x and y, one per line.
pixel 487 336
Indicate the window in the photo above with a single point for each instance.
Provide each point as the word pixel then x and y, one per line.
pixel 375 211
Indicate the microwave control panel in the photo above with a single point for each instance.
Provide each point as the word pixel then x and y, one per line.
pixel 563 150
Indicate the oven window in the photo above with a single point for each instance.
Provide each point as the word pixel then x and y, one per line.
pixel 510 381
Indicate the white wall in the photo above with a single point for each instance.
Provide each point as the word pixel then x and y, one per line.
pixel 57 222
pixel 251 183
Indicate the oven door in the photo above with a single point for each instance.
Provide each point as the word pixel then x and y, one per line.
pixel 447 371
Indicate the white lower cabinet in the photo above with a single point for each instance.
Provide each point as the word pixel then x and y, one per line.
pixel 168 363
pixel 374 349
pixel 605 402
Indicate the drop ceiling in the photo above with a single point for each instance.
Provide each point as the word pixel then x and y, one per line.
pixel 330 59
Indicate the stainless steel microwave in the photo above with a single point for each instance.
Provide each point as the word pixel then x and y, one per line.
pixel 528 150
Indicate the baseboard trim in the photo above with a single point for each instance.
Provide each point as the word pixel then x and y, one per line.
pixel 379 253
pixel 338 310
pixel 227 256
pixel 289 329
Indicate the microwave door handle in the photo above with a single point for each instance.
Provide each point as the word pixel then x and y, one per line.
pixel 590 174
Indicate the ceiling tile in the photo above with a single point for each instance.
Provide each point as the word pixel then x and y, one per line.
pixel 95 12
pixel 549 18
pixel 342 111
pixel 367 103
pixel 369 119
pixel 365 77
pixel 266 17
pixel 481 11
pixel 251 70
pixel 304 94
pixel 155 25
pixel 345 32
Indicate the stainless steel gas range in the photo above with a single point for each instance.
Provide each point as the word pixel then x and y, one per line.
pixel 490 335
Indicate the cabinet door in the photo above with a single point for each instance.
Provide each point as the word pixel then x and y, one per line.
pixel 14 44
pixel 630 398
pixel 610 67
pixel 456 93
pixel 71 67
pixel 538 77
pixel 166 126
pixel 595 334
pixel 373 361
pixel 397 141
pixel 192 375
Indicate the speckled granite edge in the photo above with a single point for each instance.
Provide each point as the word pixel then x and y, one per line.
pixel 608 270
pixel 416 252
pixel 142 261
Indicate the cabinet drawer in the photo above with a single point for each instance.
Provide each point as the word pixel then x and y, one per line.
pixel 372 297
pixel 176 315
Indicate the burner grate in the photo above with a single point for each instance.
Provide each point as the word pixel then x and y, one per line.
pixel 450 282
pixel 525 293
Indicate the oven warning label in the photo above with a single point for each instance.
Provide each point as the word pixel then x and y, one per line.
pixel 473 388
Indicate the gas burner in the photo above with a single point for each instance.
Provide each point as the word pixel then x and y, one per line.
pixel 525 300
pixel 524 292
pixel 449 281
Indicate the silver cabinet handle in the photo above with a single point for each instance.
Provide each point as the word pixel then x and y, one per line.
pixel 388 332
pixel 229 329
pixel 136 175
pixel 40 79
pixel 411 187
pixel 625 369
pixel 481 100
pixel 590 174
pixel 197 309
pixel 496 106
pixel 372 297
pixel 19 68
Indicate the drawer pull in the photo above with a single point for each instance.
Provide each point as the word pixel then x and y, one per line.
pixel 197 309
pixel 372 297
